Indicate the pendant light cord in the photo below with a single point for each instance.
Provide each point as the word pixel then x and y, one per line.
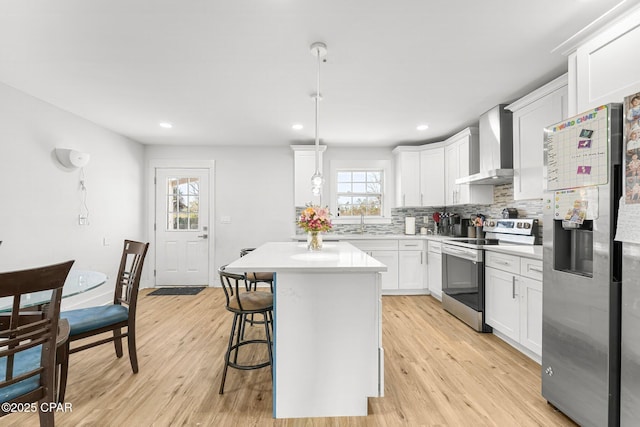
pixel 318 113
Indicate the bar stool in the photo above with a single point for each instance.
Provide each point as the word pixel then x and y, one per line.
pixel 253 278
pixel 242 304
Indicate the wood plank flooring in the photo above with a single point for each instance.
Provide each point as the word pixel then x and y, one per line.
pixel 438 372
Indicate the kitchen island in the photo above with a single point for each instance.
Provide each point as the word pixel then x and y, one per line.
pixel 328 356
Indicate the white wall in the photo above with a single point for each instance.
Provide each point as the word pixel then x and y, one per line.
pixel 253 186
pixel 41 200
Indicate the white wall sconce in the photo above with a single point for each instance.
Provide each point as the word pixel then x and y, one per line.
pixel 72 159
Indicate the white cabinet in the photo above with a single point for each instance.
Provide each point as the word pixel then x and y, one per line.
pixel 461 158
pixel 419 175
pixel 411 264
pixel 531 314
pixel 531 114
pixel 390 259
pixel 434 268
pixel 385 251
pixel 432 176
pixel 405 261
pixel 513 300
pixel 502 303
pixel 407 178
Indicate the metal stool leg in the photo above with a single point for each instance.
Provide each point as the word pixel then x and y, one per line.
pixel 228 353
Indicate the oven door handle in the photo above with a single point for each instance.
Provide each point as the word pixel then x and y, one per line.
pixel 461 253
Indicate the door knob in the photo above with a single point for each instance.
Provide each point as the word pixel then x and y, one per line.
pixel 204 236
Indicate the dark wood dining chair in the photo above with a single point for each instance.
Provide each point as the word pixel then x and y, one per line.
pixel 113 318
pixel 28 337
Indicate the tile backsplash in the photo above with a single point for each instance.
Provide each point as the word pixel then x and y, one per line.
pixel 502 198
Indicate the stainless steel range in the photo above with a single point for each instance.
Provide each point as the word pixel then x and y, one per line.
pixel 463 290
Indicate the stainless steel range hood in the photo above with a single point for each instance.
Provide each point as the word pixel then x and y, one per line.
pixel 496 149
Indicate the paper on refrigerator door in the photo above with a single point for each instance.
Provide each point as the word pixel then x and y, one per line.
pixel 628 225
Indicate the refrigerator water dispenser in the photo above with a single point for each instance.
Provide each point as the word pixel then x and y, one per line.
pixel 573 247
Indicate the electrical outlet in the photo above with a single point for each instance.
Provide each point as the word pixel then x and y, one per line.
pixel 83 220
pixel 425 219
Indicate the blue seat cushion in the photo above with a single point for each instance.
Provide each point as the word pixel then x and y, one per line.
pixel 92 318
pixel 23 362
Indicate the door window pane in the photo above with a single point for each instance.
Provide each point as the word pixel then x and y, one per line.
pixel 183 202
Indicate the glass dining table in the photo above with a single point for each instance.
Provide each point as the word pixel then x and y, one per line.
pixel 77 282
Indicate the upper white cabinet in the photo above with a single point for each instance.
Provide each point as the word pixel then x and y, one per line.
pixel 461 155
pixel 603 63
pixel 407 178
pixel 432 176
pixel 419 175
pixel 531 114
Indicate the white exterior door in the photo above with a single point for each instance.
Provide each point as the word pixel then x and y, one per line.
pixel 182 227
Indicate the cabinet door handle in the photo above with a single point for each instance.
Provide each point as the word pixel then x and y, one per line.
pixel 421 258
pixel 404 200
pixel 513 287
pixel 534 268
pixel 421 198
pixel 502 262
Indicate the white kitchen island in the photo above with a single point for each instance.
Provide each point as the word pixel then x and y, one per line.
pixel 328 356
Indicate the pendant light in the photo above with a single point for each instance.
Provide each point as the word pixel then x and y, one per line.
pixel 319 50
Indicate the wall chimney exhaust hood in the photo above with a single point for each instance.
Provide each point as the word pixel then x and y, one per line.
pixel 496 149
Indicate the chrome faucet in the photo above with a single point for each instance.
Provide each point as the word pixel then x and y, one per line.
pixel 362 229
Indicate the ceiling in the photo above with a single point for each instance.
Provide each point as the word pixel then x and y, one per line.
pixel 241 72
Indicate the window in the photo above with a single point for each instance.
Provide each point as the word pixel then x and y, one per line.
pixel 360 192
pixel 183 201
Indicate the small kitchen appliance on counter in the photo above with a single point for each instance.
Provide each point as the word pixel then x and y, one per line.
pixel 509 213
pixel 410 225
pixel 463 289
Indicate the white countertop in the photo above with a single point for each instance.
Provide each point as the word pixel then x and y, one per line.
pixel 294 256
pixel 339 237
pixel 529 251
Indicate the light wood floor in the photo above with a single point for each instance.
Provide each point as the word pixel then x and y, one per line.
pixel 438 372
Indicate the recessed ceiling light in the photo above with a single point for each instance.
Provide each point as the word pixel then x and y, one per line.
pixel 297 126
pixel 165 125
pixel 422 127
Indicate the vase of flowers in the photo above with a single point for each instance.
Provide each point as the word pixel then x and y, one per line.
pixel 314 220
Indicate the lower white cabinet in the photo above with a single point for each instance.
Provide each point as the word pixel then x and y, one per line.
pixel 411 264
pixel 434 268
pixel 513 299
pixel 390 259
pixel 405 261
pixel 531 314
pixel 502 302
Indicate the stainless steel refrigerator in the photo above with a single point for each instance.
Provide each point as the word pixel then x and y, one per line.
pixel 629 233
pixel 583 266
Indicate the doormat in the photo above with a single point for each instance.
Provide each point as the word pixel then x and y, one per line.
pixel 182 290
